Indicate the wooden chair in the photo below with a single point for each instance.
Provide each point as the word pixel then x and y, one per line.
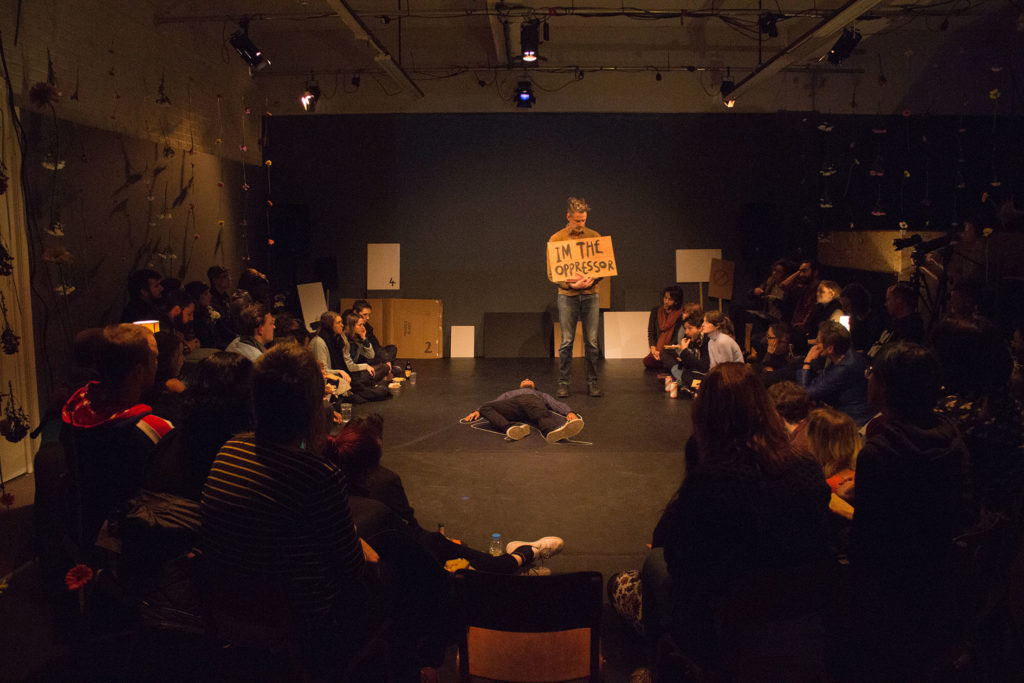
pixel 529 628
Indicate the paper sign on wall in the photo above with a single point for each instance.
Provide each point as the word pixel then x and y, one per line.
pixel 586 257
pixel 383 266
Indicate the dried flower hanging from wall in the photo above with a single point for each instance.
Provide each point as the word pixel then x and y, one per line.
pixel 14 422
pixel 9 341
pixel 6 260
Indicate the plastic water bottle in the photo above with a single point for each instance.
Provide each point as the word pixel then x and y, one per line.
pixel 496 548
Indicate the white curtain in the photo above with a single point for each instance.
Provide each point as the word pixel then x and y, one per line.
pixel 17 370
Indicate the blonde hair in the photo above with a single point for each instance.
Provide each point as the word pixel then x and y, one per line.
pixel 833 439
pixel 578 205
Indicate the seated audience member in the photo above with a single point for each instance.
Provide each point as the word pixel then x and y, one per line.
pixel 721 344
pixel 220 301
pixel 688 360
pixel 663 326
pixel 273 507
pixel 749 503
pixel 109 435
pixel 767 297
pixel 357 449
pixel 257 285
pixel 329 350
pixel 905 323
pixel 778 363
pixel 865 322
pixel 382 353
pixel 357 349
pixel 801 290
pixel 791 402
pixel 216 406
pixel 827 306
pixel 180 309
pixel 910 504
pixel 164 396
pixel 832 438
pixel 256 330
pixel 206 325
pixel 838 377
pixel 145 294
pixel 976 366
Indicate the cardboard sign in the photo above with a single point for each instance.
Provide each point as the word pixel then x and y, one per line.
pixel 586 257
pixel 693 265
pixel 721 278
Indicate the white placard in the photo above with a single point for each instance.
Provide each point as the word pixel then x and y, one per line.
pixel 463 341
pixel 694 265
pixel 625 334
pixel 314 305
pixel 383 266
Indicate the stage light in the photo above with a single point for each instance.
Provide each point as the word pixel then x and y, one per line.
pixel 845 46
pixel 311 96
pixel 727 86
pixel 529 40
pixel 246 49
pixel 524 95
pixel 766 23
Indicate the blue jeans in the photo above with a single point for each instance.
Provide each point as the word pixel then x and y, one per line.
pixel 585 307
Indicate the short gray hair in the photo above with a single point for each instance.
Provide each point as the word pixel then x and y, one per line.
pixel 578 205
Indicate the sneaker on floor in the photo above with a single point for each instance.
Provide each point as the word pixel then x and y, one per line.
pixel 573 427
pixel 518 431
pixel 593 389
pixel 558 433
pixel 530 570
pixel 543 548
pixel 563 390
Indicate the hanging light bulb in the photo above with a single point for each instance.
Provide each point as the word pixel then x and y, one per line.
pixel 310 96
pixel 529 40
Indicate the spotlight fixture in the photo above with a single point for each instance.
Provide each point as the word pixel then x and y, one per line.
pixel 246 49
pixel 311 96
pixel 726 88
pixel 766 23
pixel 529 40
pixel 845 46
pixel 524 95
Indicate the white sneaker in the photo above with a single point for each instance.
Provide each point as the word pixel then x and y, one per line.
pixel 543 548
pixel 570 429
pixel 518 431
pixel 530 570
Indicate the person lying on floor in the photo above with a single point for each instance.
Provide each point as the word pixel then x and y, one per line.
pixel 515 411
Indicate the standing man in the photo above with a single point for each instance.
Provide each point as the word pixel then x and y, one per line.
pixel 577 300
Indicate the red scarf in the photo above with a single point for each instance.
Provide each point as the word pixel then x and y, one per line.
pixel 668 322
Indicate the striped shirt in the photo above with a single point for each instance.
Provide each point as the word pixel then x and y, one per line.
pixel 282 513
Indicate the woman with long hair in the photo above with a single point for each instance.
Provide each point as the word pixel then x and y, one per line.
pixel 328 348
pixel 721 342
pixel 750 505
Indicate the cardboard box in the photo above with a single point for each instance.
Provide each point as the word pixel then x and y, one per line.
pixel 413 325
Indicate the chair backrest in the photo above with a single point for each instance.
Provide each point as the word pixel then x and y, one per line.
pixel 529 628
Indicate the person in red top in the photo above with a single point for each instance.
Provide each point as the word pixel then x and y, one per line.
pixel 109 435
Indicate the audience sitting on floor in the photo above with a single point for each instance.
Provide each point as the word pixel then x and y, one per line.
pixel 109 435
pixel 801 296
pixel 865 322
pixel 911 501
pixel 905 323
pixel 382 353
pixel 793 405
pixel 778 363
pixel 827 307
pixel 833 373
pixel 663 326
pixel 180 308
pixel 145 295
pixel 255 331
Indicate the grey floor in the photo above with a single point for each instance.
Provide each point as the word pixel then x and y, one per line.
pixel 603 497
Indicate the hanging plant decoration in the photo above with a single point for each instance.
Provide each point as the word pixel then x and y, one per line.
pixel 8 340
pixel 4 178
pixel 6 260
pixel 14 422
pixel 162 97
